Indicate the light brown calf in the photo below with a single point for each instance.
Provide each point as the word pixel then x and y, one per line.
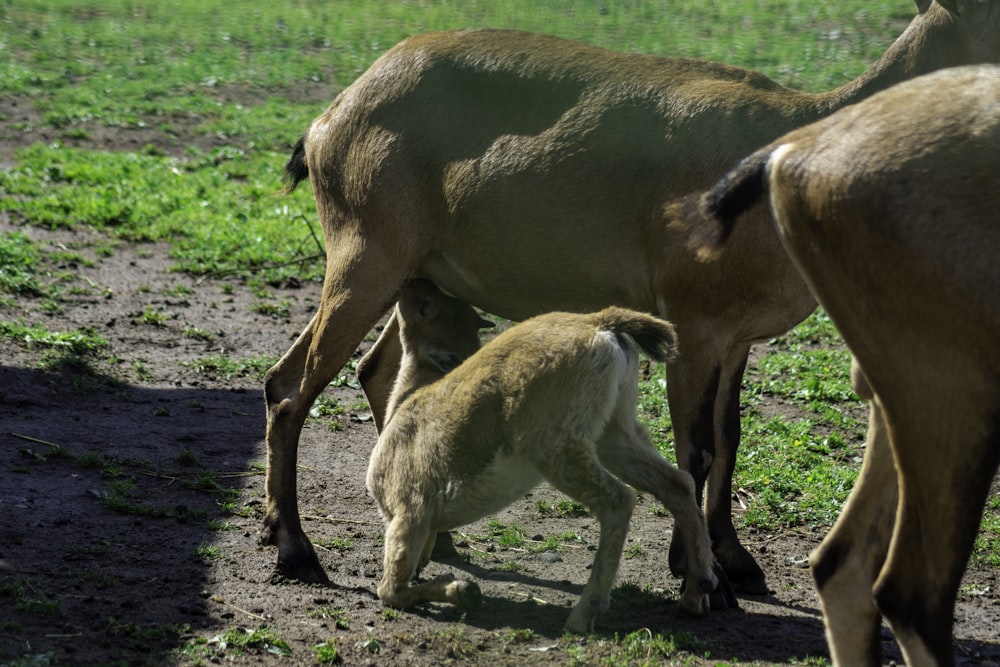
pixel 552 398
pixel 891 210
pixel 524 173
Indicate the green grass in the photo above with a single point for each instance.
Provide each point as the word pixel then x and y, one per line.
pixel 72 342
pixel 644 647
pixel 802 433
pixel 237 77
pixel 327 652
pixel 18 259
pixel 225 367
pixel 27 599
pixel 244 640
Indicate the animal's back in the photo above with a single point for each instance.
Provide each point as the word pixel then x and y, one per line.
pixel 562 375
pixel 484 137
pixel 919 192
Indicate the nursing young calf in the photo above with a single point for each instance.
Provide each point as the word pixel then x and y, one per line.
pixel 553 398
pixel 891 210
pixel 525 174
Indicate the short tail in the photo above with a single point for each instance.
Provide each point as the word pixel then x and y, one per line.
pixel 296 169
pixel 655 337
pixel 710 216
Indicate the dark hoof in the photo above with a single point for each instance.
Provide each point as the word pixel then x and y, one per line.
pixel 675 557
pixel 301 563
pixel 306 572
pixel 748 581
pixel 745 576
pixel 296 555
pixel 444 548
pixel 267 537
pixel 723 596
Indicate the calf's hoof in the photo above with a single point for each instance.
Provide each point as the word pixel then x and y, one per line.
pixel 467 595
pixel 720 594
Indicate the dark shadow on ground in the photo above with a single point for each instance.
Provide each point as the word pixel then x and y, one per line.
pixel 106 501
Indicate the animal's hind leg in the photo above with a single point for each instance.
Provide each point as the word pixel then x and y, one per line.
pixel 703 389
pixel 845 565
pixel 576 471
pixel 946 458
pixel 626 450
pixel 360 285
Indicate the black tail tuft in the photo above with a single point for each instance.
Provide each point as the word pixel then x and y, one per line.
pixel 740 189
pixel 296 169
pixel 709 217
pixel 655 337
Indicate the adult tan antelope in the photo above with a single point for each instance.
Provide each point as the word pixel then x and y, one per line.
pixel 468 432
pixel 524 173
pixel 891 210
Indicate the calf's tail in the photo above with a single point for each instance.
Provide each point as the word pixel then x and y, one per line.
pixel 655 337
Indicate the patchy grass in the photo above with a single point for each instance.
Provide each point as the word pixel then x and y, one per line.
pixel 18 259
pixel 223 91
pixel 226 367
pixel 75 343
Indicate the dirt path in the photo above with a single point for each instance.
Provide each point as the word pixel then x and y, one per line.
pixel 109 556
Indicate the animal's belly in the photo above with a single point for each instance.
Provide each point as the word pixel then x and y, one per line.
pixel 505 480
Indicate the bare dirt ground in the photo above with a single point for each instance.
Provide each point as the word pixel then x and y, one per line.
pixel 108 555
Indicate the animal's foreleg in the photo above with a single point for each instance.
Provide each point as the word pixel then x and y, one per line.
pixel 627 451
pixel 405 542
pixel 357 290
pixel 703 391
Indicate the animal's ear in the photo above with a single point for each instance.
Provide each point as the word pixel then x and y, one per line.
pixel 419 299
pixel 444 360
pixel 950 5
pixel 427 307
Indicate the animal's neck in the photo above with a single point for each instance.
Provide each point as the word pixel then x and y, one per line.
pixel 909 56
pixel 412 376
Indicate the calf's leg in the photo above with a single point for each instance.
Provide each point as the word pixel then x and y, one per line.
pixel 626 450
pixel 576 471
pixel 377 372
